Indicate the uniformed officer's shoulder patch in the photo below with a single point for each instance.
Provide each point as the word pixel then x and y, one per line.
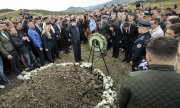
pixel 139 45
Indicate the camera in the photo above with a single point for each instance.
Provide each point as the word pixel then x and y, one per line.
pixel 26 16
pixel 138 3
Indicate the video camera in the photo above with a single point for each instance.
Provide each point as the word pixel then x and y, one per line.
pixel 139 3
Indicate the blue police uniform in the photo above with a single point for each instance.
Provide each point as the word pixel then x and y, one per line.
pixel 139 49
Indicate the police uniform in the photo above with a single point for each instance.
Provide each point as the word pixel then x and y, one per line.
pixel 139 49
pixel 147 14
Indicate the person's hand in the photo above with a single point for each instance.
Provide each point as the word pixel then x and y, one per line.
pixel 41 49
pixel 111 29
pixel 9 57
pixel 131 62
pixel 46 49
pixel 69 40
pixel 43 32
pixel 24 38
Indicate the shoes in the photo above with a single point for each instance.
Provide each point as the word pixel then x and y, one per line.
pixel 81 60
pixel 9 83
pixel 67 52
pixel 59 57
pixel 2 86
pixel 124 60
pixel 36 66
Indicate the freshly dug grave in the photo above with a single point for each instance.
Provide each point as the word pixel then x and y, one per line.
pixel 56 87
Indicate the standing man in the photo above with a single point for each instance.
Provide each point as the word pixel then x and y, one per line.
pixel 8 50
pixel 2 75
pixel 116 34
pixel 103 26
pixel 92 24
pixel 156 30
pixel 157 87
pixel 36 41
pixel 76 43
pixel 131 35
pixel 38 27
pixel 139 50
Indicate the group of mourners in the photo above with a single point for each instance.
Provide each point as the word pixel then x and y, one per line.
pixel 148 37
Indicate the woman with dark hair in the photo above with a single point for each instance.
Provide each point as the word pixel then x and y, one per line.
pixel 174 32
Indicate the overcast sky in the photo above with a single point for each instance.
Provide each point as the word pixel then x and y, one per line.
pixel 53 5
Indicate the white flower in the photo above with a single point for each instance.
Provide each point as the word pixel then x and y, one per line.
pixel 86 65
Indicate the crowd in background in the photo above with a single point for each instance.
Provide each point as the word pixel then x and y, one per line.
pixel 26 43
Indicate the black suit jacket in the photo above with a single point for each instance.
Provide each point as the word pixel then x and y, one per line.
pixel 133 32
pixel 38 30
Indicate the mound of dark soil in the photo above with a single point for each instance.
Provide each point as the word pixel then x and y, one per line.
pixel 56 87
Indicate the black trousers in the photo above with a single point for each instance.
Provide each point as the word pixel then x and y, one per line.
pixel 49 54
pixel 77 51
pixel 135 64
pixel 55 49
pixel 115 44
pixel 127 50
pixel 14 63
pixel 41 56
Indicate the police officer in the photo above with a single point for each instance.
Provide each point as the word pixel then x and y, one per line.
pixel 147 16
pixel 139 50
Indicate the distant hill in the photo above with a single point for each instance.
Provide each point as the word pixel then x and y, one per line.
pixel 114 2
pixel 6 10
pixel 75 9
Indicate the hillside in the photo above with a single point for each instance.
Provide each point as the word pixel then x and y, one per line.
pixel 75 9
pixel 12 13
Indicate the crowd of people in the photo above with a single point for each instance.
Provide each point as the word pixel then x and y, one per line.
pixel 31 41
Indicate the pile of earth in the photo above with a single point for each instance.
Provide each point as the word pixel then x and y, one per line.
pixel 56 87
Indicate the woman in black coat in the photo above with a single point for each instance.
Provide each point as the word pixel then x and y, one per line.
pixel 48 43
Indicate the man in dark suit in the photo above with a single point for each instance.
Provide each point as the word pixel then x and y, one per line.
pixel 76 43
pixel 157 87
pixel 57 28
pixel 123 38
pixel 8 50
pixel 131 34
pixel 103 26
pixel 37 22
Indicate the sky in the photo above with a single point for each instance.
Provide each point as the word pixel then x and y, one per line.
pixel 52 5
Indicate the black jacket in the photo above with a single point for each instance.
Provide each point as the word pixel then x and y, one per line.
pixel 47 43
pixel 19 44
pixel 103 28
pixel 38 30
pixel 21 34
pixel 75 34
pixel 157 87
pixel 57 30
